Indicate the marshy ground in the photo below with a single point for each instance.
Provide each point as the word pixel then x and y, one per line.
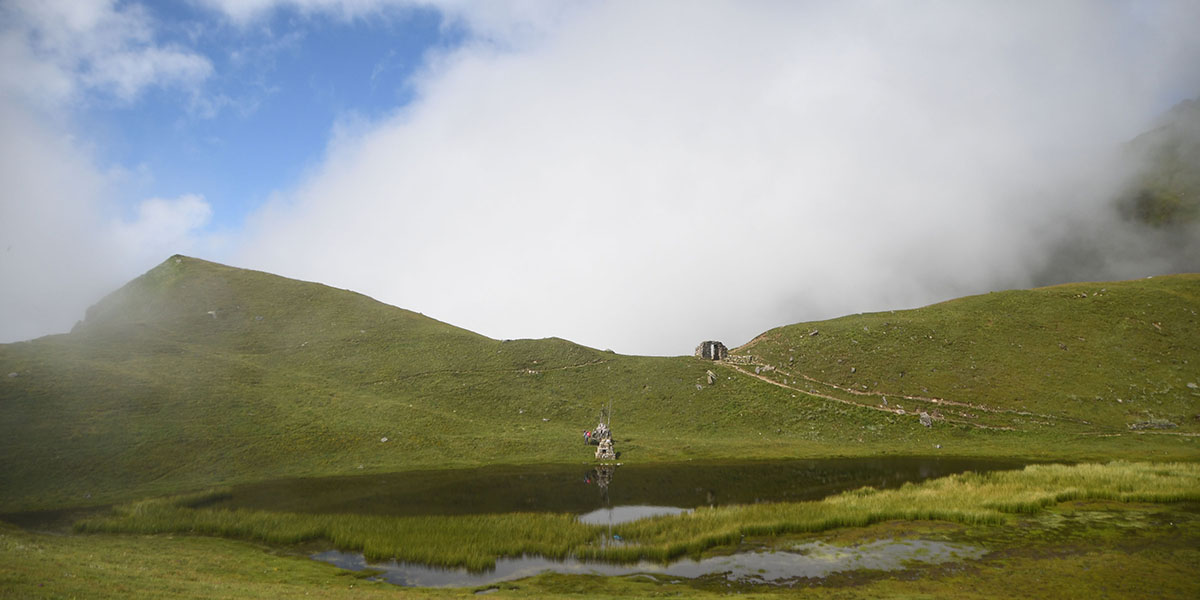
pixel 1113 530
pixel 1095 549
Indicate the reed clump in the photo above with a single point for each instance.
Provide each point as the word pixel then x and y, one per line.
pixel 476 541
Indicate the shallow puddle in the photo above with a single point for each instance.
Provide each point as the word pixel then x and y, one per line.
pixel 625 514
pixel 813 559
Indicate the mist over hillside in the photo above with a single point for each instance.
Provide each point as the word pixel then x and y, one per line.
pixel 1150 224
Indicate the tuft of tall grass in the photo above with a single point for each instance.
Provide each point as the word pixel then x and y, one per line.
pixel 476 541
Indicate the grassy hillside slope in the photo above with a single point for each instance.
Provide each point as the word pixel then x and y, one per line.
pixel 1105 357
pixel 198 374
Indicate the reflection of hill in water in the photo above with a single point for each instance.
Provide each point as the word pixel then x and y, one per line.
pixel 577 489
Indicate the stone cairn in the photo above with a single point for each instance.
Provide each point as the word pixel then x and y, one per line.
pixel 605 450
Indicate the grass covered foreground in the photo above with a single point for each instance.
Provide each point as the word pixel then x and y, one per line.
pixel 1074 550
pixel 1045 538
pixel 477 541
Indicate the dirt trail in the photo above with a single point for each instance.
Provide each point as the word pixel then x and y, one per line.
pixel 932 400
pixel 896 411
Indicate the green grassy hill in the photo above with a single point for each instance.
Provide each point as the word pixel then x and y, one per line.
pixel 1110 357
pixel 197 374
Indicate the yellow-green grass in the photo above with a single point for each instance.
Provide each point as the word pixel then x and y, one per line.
pixel 1071 550
pixel 477 541
pixel 1081 356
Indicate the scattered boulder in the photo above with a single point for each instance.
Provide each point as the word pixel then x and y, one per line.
pixel 1191 385
pixel 13 374
pixel 814 333
pixel 383 439
pixel 926 420
pixel 1152 424
pixel 712 377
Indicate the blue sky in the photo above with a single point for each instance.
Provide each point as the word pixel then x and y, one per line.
pixel 279 85
pixel 629 175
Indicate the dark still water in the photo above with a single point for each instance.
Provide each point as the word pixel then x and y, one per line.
pixel 585 489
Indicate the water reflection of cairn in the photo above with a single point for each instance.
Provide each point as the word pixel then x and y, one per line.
pixel 602 476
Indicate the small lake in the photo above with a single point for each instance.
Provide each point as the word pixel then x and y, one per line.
pixel 779 567
pixel 599 493
pixel 610 494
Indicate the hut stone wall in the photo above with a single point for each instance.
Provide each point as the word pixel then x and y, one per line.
pixel 712 350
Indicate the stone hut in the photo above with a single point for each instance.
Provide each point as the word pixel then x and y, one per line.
pixel 712 350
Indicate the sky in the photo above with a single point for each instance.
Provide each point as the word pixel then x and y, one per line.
pixel 635 176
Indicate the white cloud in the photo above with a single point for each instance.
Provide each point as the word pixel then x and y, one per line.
pixel 61 245
pixel 496 21
pixel 638 176
pixel 642 176
pixel 162 227
pixel 56 50
pixel 63 240
pixel 48 263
